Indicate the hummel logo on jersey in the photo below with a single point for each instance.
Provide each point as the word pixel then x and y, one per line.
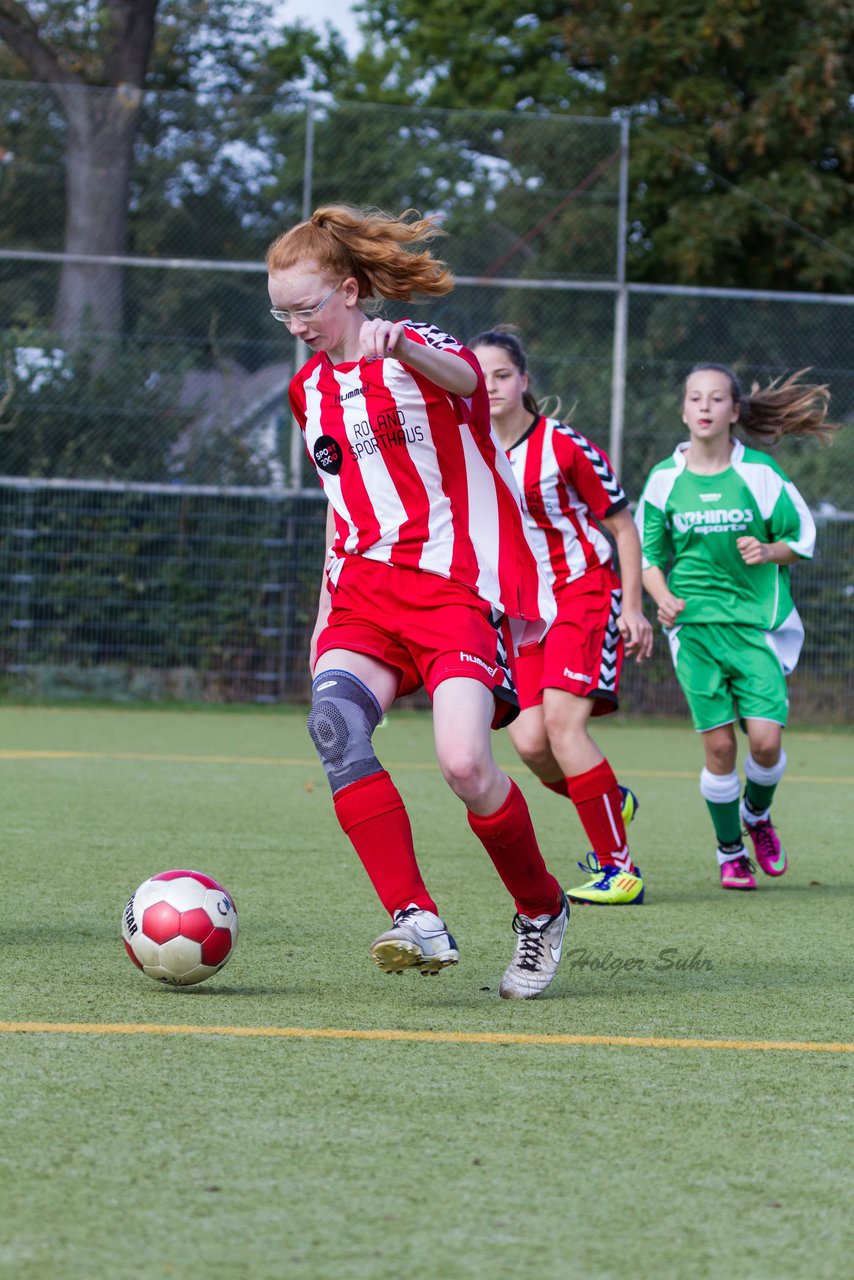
pixel 470 657
pixel 576 675
pixel 710 497
pixel 716 520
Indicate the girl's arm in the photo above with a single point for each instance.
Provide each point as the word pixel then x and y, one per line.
pixel 634 627
pixel 381 338
pixel 669 605
pixel 655 543
pixel 752 551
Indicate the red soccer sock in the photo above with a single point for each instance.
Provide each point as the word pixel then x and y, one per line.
pixel 559 788
pixel 508 837
pixel 373 816
pixel 599 802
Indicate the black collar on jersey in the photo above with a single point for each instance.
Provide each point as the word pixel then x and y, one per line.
pixel 535 421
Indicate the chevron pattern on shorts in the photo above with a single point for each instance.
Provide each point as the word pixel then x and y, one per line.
pixel 502 661
pixel 608 668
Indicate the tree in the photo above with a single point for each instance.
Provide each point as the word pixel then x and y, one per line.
pixel 112 392
pixel 742 155
pixel 112 56
pixel 745 146
pixel 97 59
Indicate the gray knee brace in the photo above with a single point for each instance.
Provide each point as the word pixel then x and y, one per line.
pixel 343 716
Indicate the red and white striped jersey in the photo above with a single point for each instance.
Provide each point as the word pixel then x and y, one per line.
pixel 415 477
pixel 566 484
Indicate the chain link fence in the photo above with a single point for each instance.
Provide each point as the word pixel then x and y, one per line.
pixel 160 530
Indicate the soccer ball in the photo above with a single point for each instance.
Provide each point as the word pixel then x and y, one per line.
pixel 180 927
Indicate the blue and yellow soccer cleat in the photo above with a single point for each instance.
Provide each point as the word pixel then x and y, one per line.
pixel 631 804
pixel 611 886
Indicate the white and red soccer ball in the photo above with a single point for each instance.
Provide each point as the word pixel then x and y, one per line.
pixel 180 927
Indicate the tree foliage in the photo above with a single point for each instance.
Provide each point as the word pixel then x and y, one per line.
pixel 94 163
pixel 96 60
pixel 743 149
pixel 506 127
pixel 71 48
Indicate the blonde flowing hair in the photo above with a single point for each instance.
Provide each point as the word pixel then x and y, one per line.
pixel 785 407
pixel 370 246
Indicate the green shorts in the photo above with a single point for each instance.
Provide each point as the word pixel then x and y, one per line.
pixel 728 672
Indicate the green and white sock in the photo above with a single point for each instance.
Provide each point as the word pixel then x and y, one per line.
pixel 722 793
pixel 760 787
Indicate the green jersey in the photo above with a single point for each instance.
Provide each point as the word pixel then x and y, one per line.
pixel 690 523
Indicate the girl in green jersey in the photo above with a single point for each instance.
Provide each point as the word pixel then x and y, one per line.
pixel 720 523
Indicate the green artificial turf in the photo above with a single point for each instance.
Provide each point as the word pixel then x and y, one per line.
pixel 272 1156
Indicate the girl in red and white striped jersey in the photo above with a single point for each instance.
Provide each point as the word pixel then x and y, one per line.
pixel 568 490
pixel 430 578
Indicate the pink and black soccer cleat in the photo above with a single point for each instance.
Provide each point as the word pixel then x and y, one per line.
pixel 768 851
pixel 737 873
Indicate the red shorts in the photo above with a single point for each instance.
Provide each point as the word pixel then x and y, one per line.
pixel 426 627
pixel 583 650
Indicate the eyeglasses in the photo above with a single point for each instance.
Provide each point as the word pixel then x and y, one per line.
pixel 286 317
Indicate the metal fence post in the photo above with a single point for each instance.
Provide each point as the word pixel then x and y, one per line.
pixel 621 308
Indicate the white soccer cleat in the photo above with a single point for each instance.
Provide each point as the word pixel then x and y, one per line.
pixel 417 940
pixel 538 952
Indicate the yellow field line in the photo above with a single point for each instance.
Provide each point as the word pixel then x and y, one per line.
pixel 286 762
pixel 431 1037
pixel 153 756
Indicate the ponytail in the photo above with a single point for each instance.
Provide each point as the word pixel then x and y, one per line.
pixel 368 245
pixel 785 407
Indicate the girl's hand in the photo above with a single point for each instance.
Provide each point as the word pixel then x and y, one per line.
pixel 380 338
pixel 669 608
pixel 324 608
pixel 752 551
pixel 637 634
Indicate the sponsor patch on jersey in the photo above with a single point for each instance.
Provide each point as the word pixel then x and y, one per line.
pixel 714 520
pixel 327 455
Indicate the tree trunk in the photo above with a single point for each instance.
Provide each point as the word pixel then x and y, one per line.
pixel 101 125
